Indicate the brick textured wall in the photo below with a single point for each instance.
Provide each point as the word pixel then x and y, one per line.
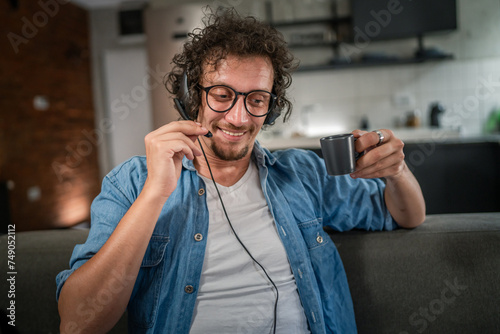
pixel 49 156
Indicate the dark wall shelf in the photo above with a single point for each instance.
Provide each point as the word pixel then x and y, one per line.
pixel 374 63
pixel 314 45
pixel 330 20
pixel 340 26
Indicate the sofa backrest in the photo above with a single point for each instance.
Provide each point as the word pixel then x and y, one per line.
pixel 441 277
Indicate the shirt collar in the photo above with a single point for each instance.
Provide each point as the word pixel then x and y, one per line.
pixel 261 155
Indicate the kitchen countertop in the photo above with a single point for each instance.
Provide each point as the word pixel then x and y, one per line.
pixel 407 135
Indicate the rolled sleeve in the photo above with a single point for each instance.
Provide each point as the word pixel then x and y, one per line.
pixel 356 204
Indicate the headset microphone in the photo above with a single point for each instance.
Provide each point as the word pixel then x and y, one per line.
pixel 183 114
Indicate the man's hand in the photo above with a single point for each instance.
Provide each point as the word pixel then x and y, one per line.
pixel 165 148
pixel 384 160
pixel 403 195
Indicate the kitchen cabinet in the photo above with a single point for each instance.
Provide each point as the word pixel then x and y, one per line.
pixel 457 175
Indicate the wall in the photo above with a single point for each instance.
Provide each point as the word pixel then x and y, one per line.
pixel 46 154
pixel 162 47
pixel 468 86
pixel 127 102
pixel 121 95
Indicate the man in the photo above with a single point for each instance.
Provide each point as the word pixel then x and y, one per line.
pixel 245 253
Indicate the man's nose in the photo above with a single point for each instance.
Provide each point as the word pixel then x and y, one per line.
pixel 238 115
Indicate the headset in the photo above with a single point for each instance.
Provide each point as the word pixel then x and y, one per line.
pixel 183 102
pixel 181 105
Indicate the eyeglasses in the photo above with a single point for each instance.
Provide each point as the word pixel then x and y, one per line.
pixel 221 98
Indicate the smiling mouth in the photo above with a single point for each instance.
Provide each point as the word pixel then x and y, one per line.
pixel 233 133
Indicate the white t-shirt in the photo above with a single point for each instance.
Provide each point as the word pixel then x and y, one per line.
pixel 234 294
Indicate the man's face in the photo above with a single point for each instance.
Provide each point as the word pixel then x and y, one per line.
pixel 234 131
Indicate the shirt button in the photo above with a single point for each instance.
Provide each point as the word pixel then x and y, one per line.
pixel 189 289
pixel 201 191
pixel 198 237
pixel 319 239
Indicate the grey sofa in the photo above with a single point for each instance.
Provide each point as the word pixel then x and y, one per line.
pixel 40 256
pixel 442 277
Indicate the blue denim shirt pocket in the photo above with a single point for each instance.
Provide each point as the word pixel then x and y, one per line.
pixel 143 307
pixel 314 235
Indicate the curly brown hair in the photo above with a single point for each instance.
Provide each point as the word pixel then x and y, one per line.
pixel 226 33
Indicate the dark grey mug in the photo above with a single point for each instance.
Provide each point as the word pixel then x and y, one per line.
pixel 339 154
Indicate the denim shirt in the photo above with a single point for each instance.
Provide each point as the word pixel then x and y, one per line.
pixel 302 198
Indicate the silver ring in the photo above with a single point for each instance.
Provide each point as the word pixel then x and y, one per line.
pixel 380 137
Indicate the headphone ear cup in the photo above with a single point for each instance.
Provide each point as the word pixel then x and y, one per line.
pixel 184 90
pixel 181 103
pixel 272 116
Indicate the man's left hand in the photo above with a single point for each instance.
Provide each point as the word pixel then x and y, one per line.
pixel 382 158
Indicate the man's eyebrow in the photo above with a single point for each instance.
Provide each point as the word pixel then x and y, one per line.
pixel 225 84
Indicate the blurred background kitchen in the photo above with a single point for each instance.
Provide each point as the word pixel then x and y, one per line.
pixel 81 85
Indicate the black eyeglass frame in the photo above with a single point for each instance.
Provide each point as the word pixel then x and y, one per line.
pixel 236 94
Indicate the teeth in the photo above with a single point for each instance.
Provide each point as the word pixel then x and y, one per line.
pixel 232 133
